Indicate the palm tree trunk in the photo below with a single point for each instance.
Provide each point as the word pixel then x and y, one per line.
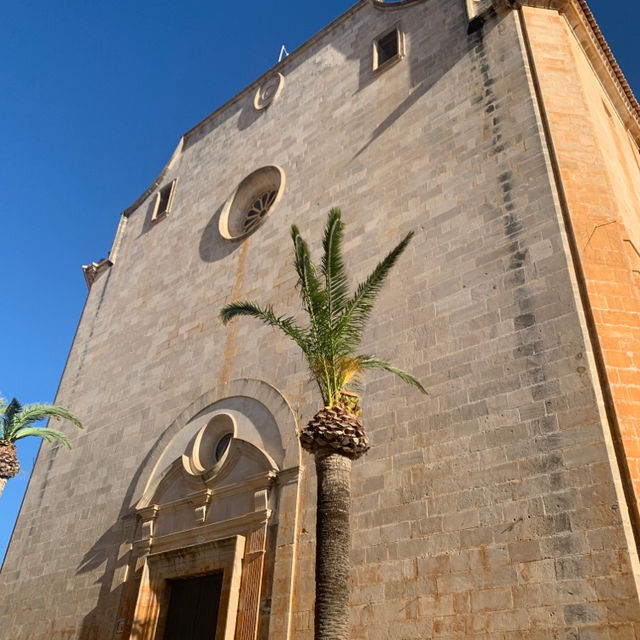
pixel 333 545
pixel 3 481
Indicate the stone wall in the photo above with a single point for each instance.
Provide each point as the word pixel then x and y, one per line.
pixel 599 164
pixel 487 509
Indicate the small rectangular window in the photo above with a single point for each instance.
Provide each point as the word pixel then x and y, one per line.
pixel 164 200
pixel 387 48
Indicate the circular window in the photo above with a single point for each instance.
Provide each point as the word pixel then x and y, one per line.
pixel 258 209
pixel 268 91
pixel 254 198
pixel 223 445
pixel 210 445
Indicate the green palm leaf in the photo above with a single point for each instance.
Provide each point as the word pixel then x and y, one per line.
pixel 285 323
pixel 371 362
pixel 16 421
pixel 314 299
pixel 336 321
pixel 336 284
pixel 311 292
pixel 36 412
pixel 9 414
pixel 48 435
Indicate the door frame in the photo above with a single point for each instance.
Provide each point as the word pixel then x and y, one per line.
pixel 188 562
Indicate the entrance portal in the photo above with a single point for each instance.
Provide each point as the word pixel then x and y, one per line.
pixel 193 608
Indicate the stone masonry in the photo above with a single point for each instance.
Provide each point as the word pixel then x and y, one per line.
pixel 499 506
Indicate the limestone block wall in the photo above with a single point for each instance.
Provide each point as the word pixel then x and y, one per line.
pixel 599 163
pixel 490 508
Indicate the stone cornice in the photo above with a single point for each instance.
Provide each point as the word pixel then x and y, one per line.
pixel 208 532
pixel 586 30
pixel 94 269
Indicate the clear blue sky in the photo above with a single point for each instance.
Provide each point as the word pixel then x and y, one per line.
pixel 94 98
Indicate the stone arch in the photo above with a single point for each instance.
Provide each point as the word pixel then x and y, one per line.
pixel 259 390
pixel 218 493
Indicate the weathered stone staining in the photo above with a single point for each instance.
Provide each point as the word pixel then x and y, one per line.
pixel 501 506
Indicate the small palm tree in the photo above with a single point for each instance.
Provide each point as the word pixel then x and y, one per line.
pixel 16 422
pixel 335 435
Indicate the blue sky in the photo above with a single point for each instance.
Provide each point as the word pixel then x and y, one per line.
pixel 94 98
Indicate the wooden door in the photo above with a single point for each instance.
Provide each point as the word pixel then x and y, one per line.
pixel 193 608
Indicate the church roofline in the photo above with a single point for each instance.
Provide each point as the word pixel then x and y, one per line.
pixel 610 57
pixel 577 11
pixel 254 85
pixel 278 67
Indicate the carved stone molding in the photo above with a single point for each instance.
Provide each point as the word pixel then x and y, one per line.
pixel 94 269
pixel 258 390
pixel 219 555
pixel 269 91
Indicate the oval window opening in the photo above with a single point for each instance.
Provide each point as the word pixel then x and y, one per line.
pixel 223 446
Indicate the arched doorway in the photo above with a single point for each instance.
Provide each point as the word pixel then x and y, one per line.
pixel 215 522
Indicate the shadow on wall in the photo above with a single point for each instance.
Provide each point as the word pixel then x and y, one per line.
pixel 213 246
pixel 353 40
pixel 106 551
pixel 148 224
pixel 428 66
pixel 249 113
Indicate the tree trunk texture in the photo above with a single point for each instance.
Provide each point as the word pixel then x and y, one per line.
pixel 3 481
pixel 333 546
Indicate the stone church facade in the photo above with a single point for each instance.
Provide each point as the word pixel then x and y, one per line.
pixel 502 505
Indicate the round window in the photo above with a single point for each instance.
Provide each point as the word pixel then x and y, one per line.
pixel 223 445
pixel 258 209
pixel 210 444
pixel 254 198
pixel 268 91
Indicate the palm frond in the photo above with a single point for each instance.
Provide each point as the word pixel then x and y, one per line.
pixel 347 370
pixel 308 282
pixel 285 323
pixel 48 435
pixel 34 412
pixel 371 362
pixel 314 299
pixel 336 283
pixel 17 421
pixel 358 309
pixel 336 320
pixel 9 418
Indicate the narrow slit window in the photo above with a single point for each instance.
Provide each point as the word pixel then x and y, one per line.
pixel 387 48
pixel 164 199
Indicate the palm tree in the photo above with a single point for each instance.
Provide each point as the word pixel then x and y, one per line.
pixel 16 422
pixel 335 435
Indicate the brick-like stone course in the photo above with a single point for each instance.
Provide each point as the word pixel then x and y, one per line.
pixel 486 509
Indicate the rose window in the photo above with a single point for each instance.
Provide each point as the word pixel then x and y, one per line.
pixel 252 201
pixel 259 209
